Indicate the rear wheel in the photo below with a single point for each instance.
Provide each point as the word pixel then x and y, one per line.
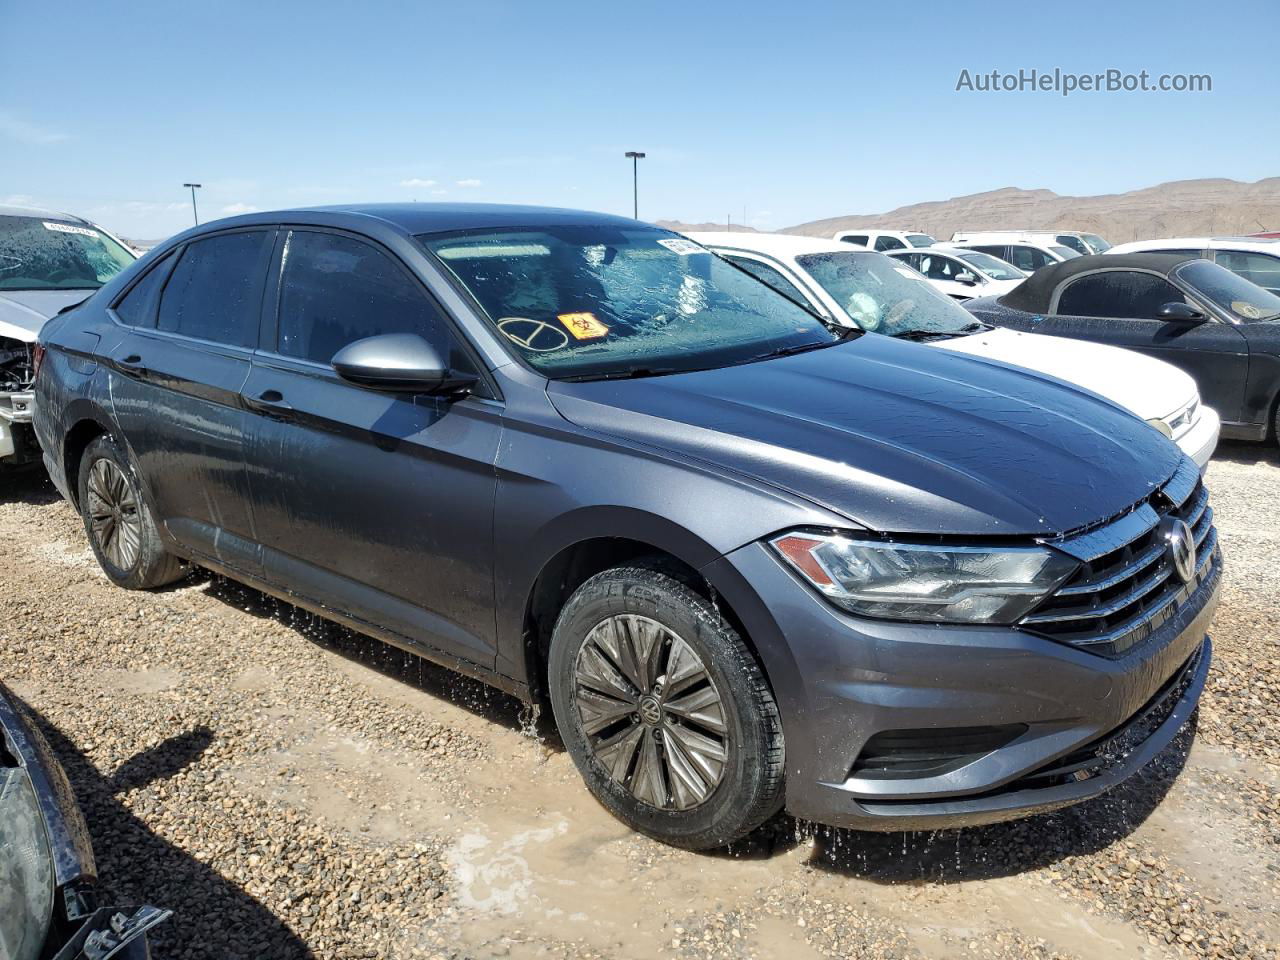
pixel 664 710
pixel 121 530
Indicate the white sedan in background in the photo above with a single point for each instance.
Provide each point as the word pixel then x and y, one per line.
pixel 1257 259
pixel 963 274
pixel 882 295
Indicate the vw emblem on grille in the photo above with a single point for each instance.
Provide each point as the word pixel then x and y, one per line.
pixel 1181 546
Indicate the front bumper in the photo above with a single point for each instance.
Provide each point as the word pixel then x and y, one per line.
pixel 16 436
pixel 1201 439
pixel 841 680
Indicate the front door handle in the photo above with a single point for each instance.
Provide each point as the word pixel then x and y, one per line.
pixel 270 403
pixel 131 365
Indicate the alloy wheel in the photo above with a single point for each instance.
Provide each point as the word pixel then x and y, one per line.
pixel 113 514
pixel 651 712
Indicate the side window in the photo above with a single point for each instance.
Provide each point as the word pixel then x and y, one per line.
pixel 1004 253
pixel 1028 258
pixel 889 243
pixel 1073 243
pixel 939 268
pixel 215 291
pixel 138 308
pixel 1259 268
pixel 912 260
pixel 335 290
pixel 1121 294
pixel 858 238
pixel 772 276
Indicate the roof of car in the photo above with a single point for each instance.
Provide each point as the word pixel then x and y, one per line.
pixel 1267 244
pixel 1034 294
pixel 444 217
pixel 15 211
pixel 774 244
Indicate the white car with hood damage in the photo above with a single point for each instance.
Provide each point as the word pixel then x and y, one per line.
pixel 886 296
pixel 48 261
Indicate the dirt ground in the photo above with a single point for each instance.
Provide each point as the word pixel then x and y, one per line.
pixel 290 789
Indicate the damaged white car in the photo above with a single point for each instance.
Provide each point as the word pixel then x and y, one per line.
pixel 48 262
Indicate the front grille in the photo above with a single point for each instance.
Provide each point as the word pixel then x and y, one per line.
pixel 1127 585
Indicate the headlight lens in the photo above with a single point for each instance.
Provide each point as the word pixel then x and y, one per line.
pixel 939 584
pixel 1161 426
pixel 26 869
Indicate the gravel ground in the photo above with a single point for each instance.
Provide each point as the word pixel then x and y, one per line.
pixel 293 790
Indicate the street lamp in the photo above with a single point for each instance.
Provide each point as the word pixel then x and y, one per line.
pixel 635 156
pixel 194 187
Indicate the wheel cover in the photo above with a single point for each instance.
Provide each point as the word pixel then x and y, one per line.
pixel 114 522
pixel 651 713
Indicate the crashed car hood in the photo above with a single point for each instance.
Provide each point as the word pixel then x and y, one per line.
pixel 24 312
pixel 898 437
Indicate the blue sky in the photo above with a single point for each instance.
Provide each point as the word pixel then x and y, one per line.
pixel 793 111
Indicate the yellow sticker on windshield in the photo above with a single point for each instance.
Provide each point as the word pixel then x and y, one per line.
pixel 583 326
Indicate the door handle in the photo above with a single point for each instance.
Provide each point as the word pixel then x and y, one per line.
pixel 131 365
pixel 270 403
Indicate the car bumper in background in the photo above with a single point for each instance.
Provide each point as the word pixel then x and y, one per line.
pixel 1201 440
pixel 1068 724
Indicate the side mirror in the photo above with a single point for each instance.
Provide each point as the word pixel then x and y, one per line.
pixel 1179 312
pixel 401 362
pixel 967 278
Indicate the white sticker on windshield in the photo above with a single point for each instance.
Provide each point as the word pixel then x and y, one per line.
pixel 682 246
pixel 68 228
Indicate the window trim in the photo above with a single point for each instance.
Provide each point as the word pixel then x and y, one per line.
pixel 1212 315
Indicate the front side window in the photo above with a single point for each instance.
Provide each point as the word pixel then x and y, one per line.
pixel 884 243
pixel 335 290
pixel 215 291
pixel 920 240
pixel 39 254
pixel 938 268
pixel 993 267
pixel 1073 243
pixel 770 275
pixel 592 300
pixel 1260 268
pixel 1122 294
pixel 1096 243
pixel 1233 293
pixel 883 296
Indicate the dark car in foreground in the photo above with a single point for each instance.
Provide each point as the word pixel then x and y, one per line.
pixel 743 555
pixel 48 261
pixel 1199 316
pixel 49 906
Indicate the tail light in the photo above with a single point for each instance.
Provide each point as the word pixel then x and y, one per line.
pixel 37 360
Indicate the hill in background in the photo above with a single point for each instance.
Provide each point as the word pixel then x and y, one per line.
pixel 679 226
pixel 1180 208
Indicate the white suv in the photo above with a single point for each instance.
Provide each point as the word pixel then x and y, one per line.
pixel 1081 243
pixel 884 240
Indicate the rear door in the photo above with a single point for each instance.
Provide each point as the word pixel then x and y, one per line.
pixel 379 505
pixel 1120 307
pixel 175 388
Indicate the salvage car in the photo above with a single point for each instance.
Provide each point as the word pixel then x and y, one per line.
pixel 1257 259
pixel 1214 324
pixel 749 558
pixel 882 295
pixel 962 274
pixel 49 907
pixel 47 261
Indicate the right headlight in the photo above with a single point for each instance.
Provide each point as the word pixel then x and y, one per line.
pixel 1161 426
pixel 925 582
pixel 26 869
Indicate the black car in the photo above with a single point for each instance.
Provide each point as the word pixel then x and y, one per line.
pixel 748 559
pixel 49 906
pixel 1197 315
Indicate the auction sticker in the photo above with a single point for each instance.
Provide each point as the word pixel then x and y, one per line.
pixel 584 326
pixel 69 228
pixel 682 246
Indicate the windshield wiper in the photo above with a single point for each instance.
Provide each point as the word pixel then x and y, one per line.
pixel 631 373
pixel 924 335
pixel 976 327
pixel 844 333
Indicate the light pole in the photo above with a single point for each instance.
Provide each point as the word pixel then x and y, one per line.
pixel 194 186
pixel 635 156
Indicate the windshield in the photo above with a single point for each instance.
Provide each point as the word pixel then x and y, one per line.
pixel 920 240
pixel 882 295
pixel 1066 253
pixel 597 299
pixel 1096 243
pixel 1230 291
pixel 37 254
pixel 993 267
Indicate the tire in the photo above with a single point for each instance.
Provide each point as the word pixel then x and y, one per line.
pixel 118 522
pixel 692 760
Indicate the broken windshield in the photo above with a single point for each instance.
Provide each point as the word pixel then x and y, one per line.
pixel 40 254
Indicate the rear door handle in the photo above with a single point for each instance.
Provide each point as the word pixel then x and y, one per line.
pixel 270 403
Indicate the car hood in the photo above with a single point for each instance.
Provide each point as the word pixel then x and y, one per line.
pixel 23 313
pixel 1147 386
pixel 898 437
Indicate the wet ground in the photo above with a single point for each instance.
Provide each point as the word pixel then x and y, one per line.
pixel 291 789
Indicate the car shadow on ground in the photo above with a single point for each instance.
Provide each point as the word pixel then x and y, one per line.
pixel 980 853
pixel 1247 453
pixel 442 683
pixel 212 916
pixel 29 485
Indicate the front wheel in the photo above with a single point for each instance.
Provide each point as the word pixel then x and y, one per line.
pixel 121 530
pixel 666 713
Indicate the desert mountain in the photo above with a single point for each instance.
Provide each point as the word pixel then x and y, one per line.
pixel 1178 209
pixel 679 226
